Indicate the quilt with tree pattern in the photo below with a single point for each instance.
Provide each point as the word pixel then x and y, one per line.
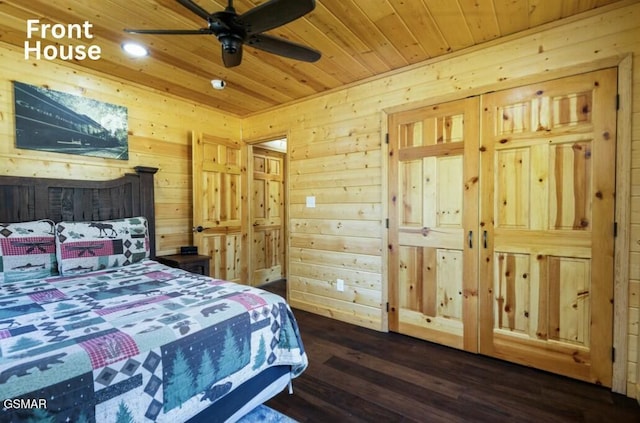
pixel 144 342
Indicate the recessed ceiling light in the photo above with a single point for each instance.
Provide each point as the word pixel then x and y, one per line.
pixel 135 50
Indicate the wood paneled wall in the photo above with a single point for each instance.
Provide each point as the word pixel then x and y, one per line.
pixel 337 154
pixel 159 136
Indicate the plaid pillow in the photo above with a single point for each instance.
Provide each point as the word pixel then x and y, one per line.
pixel 27 251
pixel 83 247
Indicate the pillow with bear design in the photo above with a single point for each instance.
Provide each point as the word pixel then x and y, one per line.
pixel 27 251
pixel 83 247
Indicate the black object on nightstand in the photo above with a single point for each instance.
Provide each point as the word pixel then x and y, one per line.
pixel 194 263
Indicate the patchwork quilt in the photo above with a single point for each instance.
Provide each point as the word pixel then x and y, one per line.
pixel 144 342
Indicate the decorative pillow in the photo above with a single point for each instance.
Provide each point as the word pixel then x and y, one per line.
pixel 83 247
pixel 27 251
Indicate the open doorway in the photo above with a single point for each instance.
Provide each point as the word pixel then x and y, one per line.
pixel 267 231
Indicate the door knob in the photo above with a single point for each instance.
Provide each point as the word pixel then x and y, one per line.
pixel 198 228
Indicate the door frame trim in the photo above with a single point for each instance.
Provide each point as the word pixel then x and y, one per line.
pixel 623 63
pixel 384 236
pixel 622 242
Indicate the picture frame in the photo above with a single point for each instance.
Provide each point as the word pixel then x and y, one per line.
pixel 54 121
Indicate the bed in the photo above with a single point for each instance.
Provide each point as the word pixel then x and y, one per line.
pixel 92 329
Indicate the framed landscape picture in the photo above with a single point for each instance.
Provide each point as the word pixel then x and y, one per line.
pixel 49 120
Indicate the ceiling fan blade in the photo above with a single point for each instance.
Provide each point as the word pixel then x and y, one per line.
pixel 195 8
pixel 283 47
pixel 274 13
pixel 232 58
pixel 170 31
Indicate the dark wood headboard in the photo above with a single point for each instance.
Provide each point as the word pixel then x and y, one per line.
pixel 23 199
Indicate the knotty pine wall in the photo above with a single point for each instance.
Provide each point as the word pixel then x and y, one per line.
pixel 336 153
pixel 159 136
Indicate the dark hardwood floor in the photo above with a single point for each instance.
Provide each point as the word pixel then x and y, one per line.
pixel 360 375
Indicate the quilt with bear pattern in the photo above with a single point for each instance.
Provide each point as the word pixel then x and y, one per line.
pixel 144 342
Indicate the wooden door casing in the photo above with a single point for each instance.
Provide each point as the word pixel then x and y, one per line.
pixel 433 167
pixel 547 205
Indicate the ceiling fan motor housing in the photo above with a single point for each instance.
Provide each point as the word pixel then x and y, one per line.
pixel 231 43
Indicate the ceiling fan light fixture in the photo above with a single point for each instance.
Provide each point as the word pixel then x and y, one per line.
pixel 135 49
pixel 230 43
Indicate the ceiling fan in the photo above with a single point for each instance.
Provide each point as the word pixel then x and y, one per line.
pixel 233 30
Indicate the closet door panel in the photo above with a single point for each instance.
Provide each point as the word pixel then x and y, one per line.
pixel 547 211
pixel 433 176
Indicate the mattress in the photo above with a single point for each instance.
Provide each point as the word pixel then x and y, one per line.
pixel 143 342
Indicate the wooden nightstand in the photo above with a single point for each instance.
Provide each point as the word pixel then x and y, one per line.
pixel 191 263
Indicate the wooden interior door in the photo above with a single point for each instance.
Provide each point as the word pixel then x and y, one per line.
pixel 433 169
pixel 547 206
pixel 217 203
pixel 267 216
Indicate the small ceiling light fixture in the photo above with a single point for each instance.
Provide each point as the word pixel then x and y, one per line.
pixel 134 49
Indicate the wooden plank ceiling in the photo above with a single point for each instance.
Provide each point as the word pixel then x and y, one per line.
pixel 358 39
